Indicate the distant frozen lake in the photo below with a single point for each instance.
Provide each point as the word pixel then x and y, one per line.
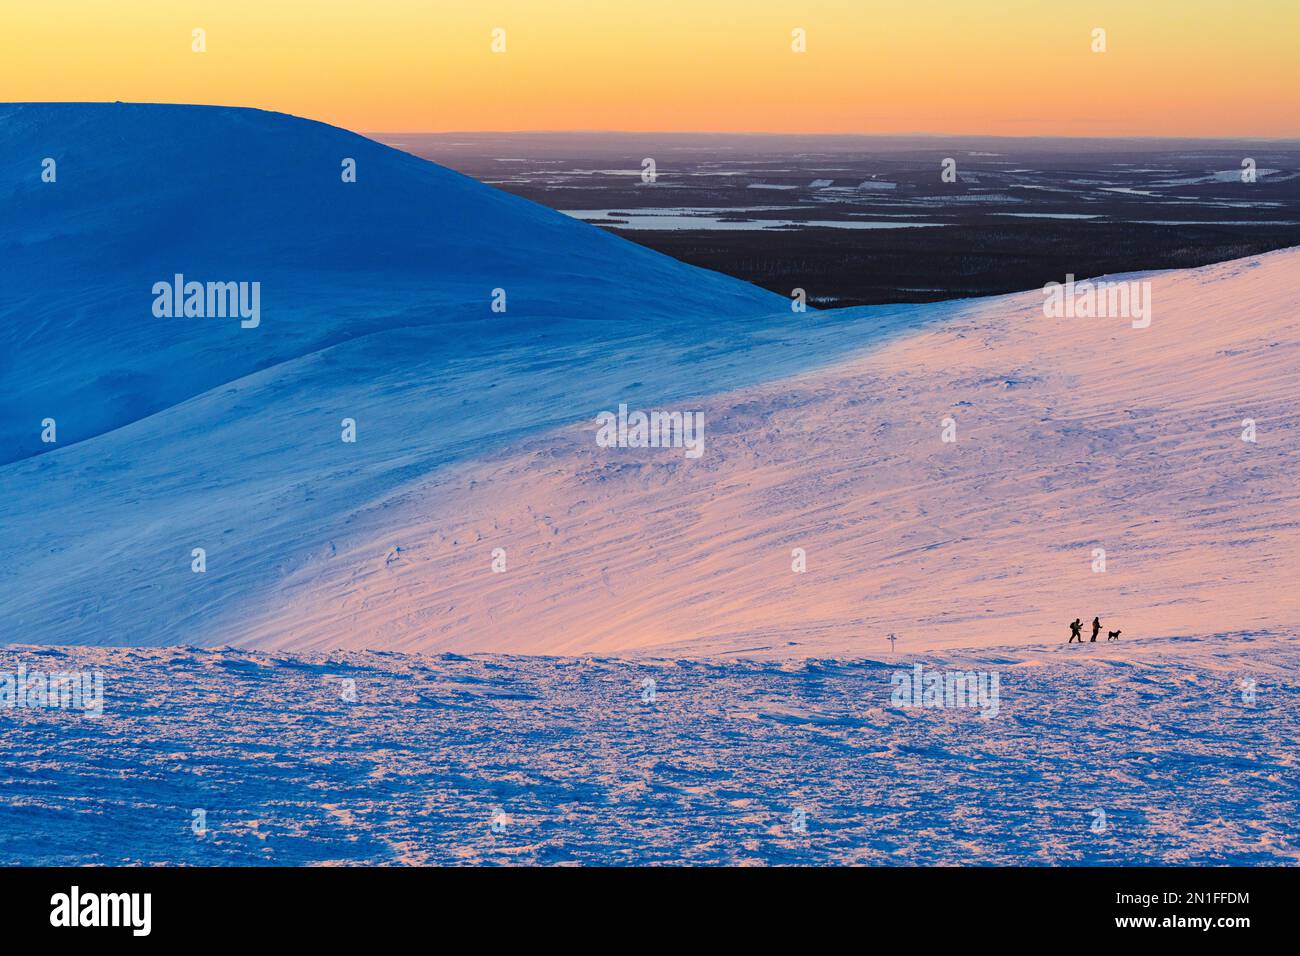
pixel 651 219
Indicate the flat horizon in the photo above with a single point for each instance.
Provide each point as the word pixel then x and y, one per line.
pixel 1166 69
pixel 577 131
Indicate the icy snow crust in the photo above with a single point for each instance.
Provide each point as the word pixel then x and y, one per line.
pixel 586 771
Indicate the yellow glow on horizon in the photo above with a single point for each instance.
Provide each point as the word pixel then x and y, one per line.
pixel 1017 67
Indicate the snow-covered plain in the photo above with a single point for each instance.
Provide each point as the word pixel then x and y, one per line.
pixel 373 561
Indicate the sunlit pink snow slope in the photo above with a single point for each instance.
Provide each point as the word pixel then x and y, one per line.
pixel 1072 435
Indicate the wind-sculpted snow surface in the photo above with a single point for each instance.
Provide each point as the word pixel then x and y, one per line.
pixel 1094 469
pixel 1179 751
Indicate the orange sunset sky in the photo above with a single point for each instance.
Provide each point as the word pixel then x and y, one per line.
pixel 1189 68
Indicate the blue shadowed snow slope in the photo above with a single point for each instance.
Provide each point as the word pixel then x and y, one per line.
pixel 219 194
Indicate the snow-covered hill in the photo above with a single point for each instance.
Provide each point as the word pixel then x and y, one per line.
pixel 376 305
pixel 475 430
pixel 143 192
pixel 1072 438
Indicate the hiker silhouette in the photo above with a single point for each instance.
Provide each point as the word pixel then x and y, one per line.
pixel 1113 635
pixel 1075 625
pixel 1096 629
